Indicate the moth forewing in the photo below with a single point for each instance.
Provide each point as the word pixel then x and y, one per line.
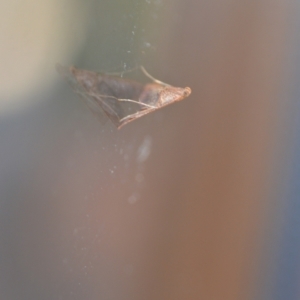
pixel 171 94
pixel 157 96
pixel 135 116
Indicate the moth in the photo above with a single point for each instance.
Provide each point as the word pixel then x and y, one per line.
pixel 107 94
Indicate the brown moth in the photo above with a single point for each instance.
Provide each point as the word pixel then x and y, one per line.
pixel 106 93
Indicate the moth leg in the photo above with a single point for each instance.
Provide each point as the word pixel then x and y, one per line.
pixel 137 102
pixel 123 100
pixel 146 108
pixel 152 78
pixel 135 116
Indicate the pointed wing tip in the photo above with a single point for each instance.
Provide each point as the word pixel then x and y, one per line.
pixel 64 71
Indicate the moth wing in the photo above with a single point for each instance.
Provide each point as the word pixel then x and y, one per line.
pixel 94 107
pixel 132 117
pixel 101 106
pixel 109 105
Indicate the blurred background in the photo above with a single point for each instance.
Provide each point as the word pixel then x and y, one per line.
pixel 199 200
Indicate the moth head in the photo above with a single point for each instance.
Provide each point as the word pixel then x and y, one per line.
pixel 186 92
pixel 171 94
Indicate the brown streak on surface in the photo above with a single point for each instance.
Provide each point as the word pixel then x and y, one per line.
pixel 225 183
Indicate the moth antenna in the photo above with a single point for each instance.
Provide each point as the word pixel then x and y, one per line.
pixel 152 78
pixel 121 72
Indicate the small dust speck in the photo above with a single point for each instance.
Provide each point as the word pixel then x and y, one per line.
pixel 144 149
pixel 133 198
